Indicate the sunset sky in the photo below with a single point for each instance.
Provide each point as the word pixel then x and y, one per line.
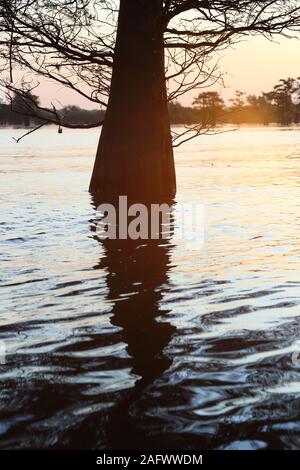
pixel 253 65
pixel 257 64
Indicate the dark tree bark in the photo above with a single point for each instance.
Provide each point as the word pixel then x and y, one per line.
pixel 135 155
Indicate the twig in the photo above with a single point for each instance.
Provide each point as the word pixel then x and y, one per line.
pixel 30 132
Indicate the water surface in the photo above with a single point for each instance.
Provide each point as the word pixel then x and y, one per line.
pixel 149 344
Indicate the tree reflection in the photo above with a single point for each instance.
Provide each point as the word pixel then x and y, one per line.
pixel 137 278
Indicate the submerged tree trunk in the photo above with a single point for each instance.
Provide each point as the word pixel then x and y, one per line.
pixel 135 155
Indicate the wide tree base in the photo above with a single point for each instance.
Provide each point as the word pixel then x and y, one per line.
pixel 135 154
pixel 155 194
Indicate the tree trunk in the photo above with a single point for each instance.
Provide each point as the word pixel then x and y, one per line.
pixel 135 155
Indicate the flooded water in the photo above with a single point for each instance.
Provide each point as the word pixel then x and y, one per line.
pixel 150 344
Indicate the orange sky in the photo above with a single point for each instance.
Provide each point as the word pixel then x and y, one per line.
pixel 257 64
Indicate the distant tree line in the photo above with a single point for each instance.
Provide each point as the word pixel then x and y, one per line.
pixel 280 106
pixel 18 113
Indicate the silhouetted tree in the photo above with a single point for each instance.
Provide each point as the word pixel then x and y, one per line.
pixel 210 106
pixel 18 111
pixel 237 104
pixel 24 104
pixel 180 114
pixel 282 98
pixel 115 54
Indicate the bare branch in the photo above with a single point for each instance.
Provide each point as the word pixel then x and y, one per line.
pixel 29 132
